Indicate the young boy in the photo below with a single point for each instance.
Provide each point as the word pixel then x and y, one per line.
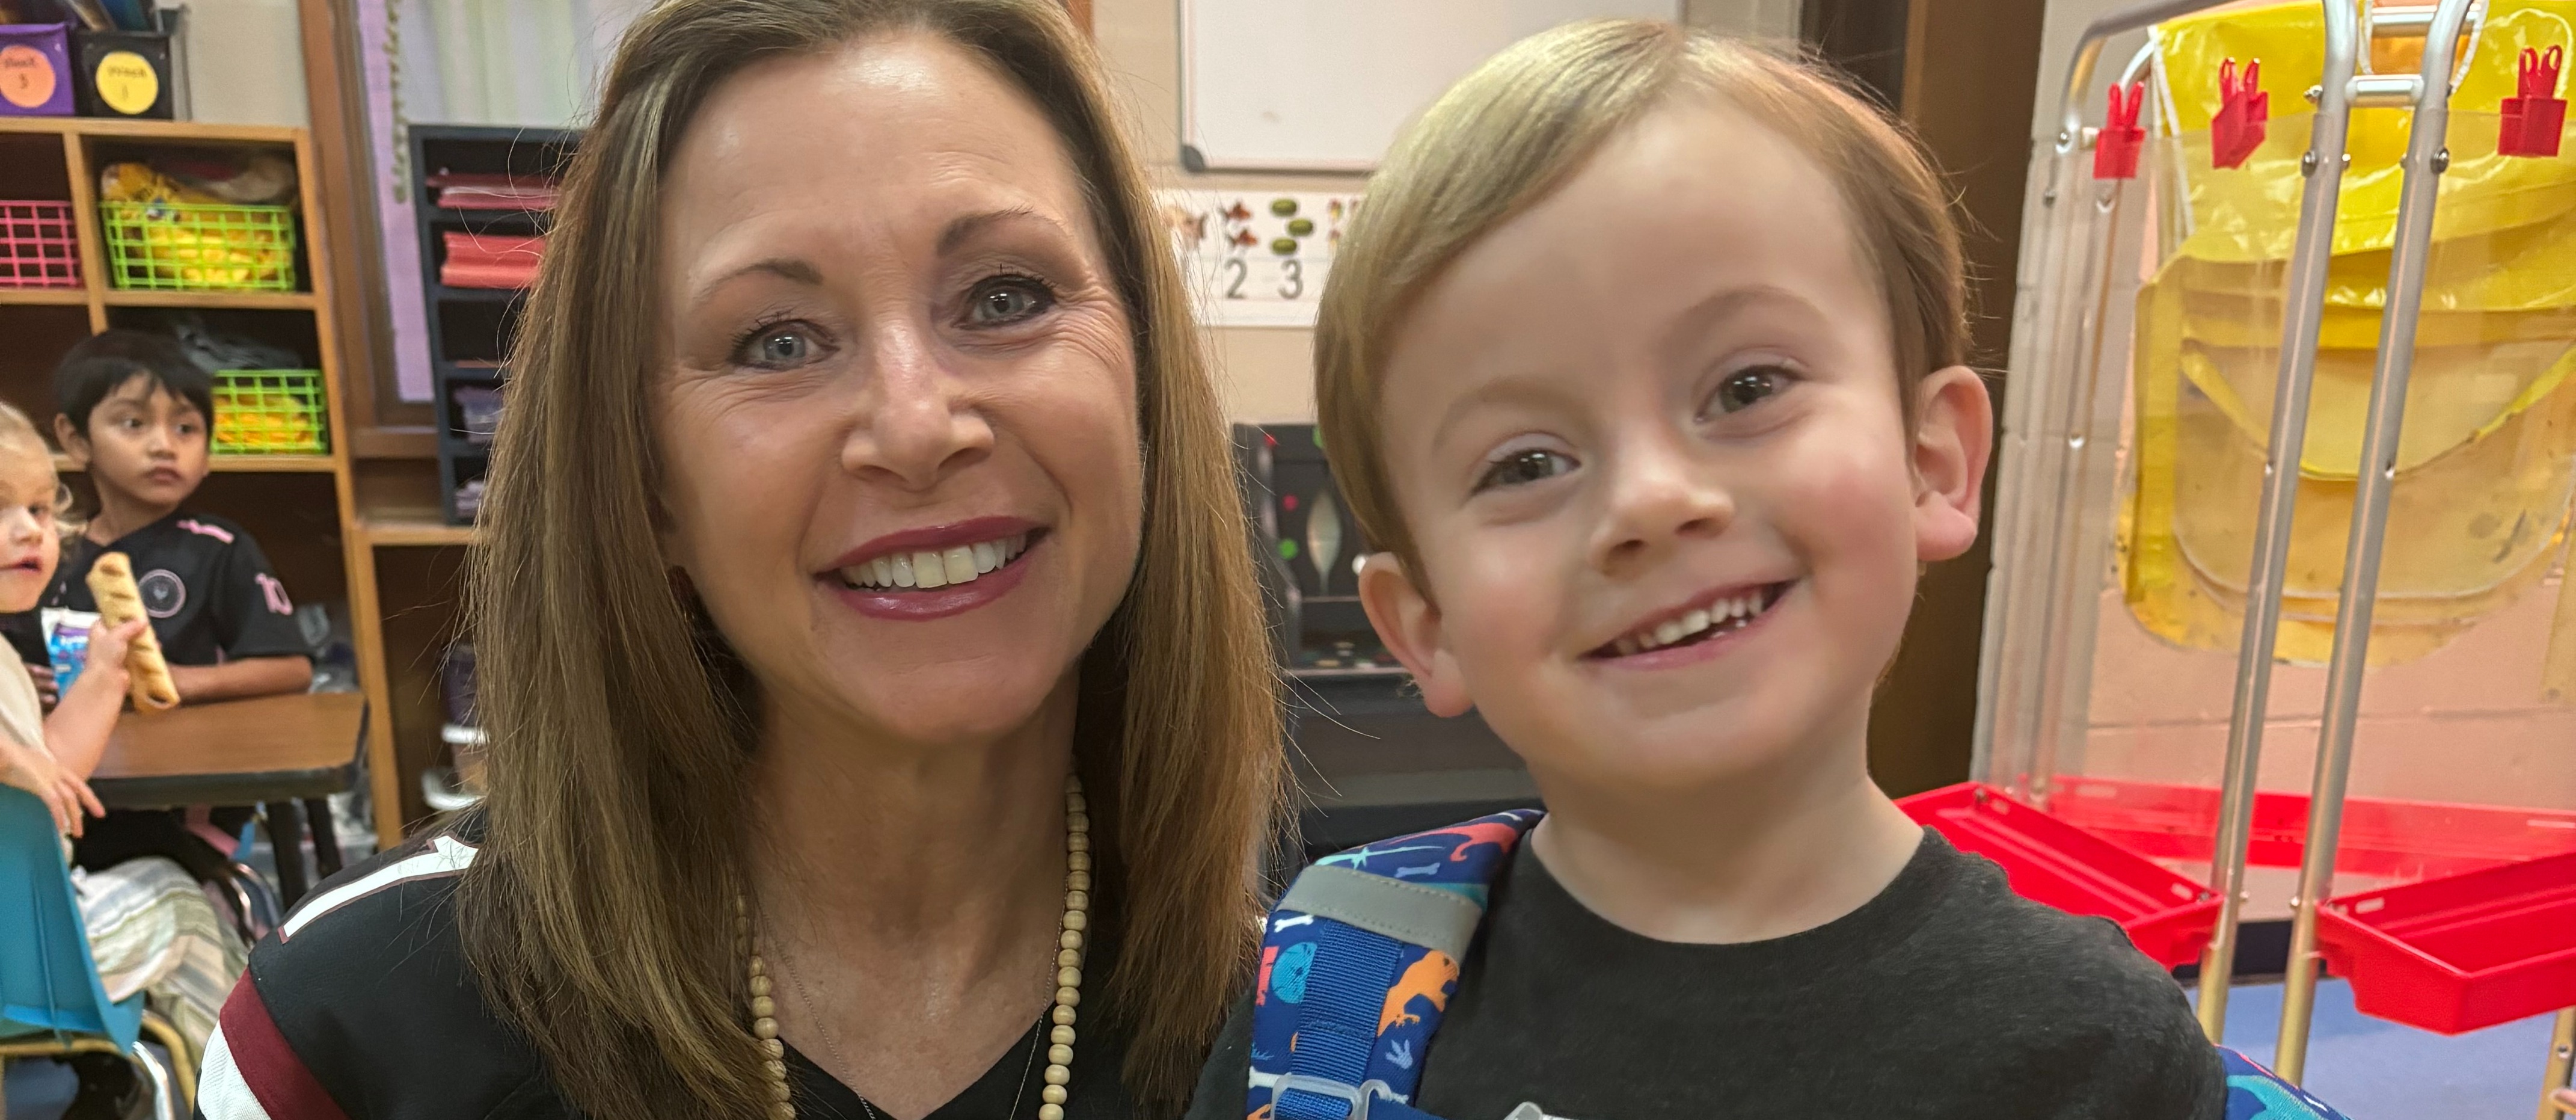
pixel 1643 364
pixel 135 412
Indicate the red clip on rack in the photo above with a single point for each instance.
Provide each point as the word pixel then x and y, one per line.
pixel 2243 109
pixel 2533 120
pixel 2115 147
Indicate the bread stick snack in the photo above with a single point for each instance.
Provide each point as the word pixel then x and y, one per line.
pixel 111 583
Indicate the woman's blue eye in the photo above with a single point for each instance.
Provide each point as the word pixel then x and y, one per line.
pixel 1750 387
pixel 1008 299
pixel 1522 467
pixel 778 347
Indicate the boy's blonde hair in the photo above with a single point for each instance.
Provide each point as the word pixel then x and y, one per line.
pixel 1519 126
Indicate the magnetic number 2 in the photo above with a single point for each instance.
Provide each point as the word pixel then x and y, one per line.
pixel 1241 271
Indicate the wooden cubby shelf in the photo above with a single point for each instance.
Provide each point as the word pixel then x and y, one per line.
pixel 188 132
pixel 424 529
pixel 211 301
pixel 302 507
pixel 245 464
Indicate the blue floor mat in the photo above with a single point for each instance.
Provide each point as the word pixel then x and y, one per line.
pixel 2372 1069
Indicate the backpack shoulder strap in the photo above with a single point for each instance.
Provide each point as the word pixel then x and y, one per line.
pixel 1357 963
pixel 2253 1091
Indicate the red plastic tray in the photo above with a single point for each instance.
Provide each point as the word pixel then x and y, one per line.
pixel 2381 837
pixel 2462 952
pixel 2050 861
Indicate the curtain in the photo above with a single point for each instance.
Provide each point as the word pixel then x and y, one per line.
pixel 501 62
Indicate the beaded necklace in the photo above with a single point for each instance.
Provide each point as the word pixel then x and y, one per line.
pixel 1068 976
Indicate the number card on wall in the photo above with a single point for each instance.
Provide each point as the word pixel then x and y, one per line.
pixel 1255 258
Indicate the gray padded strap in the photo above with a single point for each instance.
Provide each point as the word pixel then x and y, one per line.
pixel 1408 912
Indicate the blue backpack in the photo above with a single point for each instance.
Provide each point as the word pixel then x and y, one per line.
pixel 1360 956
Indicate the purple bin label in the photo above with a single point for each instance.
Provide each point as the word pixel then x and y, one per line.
pixel 35 70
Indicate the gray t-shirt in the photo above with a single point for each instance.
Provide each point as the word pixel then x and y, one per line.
pixel 1945 996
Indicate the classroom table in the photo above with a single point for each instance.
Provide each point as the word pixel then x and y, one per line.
pixel 277 751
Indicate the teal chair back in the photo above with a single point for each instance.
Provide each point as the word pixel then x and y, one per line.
pixel 48 984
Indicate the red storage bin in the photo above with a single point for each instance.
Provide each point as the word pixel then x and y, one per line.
pixel 2168 917
pixel 39 245
pixel 2461 952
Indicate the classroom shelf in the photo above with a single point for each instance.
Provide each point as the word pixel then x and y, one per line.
pixel 244 464
pixel 181 132
pixel 478 295
pixel 423 529
pixel 473 323
pixel 305 543
pixel 212 301
pixel 43 297
pixel 496 221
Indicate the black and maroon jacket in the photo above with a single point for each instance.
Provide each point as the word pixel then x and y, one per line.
pixel 361 1007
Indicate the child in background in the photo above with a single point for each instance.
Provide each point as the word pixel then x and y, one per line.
pixel 150 929
pixel 1644 364
pixel 135 413
pixel 31 502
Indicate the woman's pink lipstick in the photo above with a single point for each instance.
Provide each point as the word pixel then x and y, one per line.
pixel 922 605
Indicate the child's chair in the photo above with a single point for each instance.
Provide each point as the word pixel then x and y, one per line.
pixel 51 1002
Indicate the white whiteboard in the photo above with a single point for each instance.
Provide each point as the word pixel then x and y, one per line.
pixel 1323 85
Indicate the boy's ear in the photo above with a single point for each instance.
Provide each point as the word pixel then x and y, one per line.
pixel 1409 623
pixel 1953 438
pixel 75 443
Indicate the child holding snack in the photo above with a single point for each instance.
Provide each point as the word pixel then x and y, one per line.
pixel 150 929
pixel 1643 364
pixel 31 501
pixel 134 415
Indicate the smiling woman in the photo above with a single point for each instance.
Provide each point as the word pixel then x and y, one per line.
pixel 880 707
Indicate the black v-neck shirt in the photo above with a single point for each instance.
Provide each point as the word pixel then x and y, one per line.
pixel 1945 996
pixel 368 1000
pixel 1008 1090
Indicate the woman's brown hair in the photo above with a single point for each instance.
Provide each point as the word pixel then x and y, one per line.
pixel 599 913
pixel 1524 121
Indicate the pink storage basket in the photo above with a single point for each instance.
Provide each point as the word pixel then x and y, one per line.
pixel 39 245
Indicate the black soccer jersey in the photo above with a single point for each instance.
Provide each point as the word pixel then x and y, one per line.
pixel 204 581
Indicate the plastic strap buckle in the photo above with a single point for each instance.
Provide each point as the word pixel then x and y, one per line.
pixel 1356 1096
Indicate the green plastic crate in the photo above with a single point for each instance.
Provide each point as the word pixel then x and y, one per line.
pixel 198 247
pixel 270 412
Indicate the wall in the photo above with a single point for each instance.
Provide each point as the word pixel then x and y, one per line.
pixel 245 62
pixel 2064 21
pixel 1265 372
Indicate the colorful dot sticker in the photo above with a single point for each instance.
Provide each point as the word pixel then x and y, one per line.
pixel 127 83
pixel 1287 550
pixel 27 77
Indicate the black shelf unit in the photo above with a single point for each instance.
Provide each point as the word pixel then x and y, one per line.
pixel 470 329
